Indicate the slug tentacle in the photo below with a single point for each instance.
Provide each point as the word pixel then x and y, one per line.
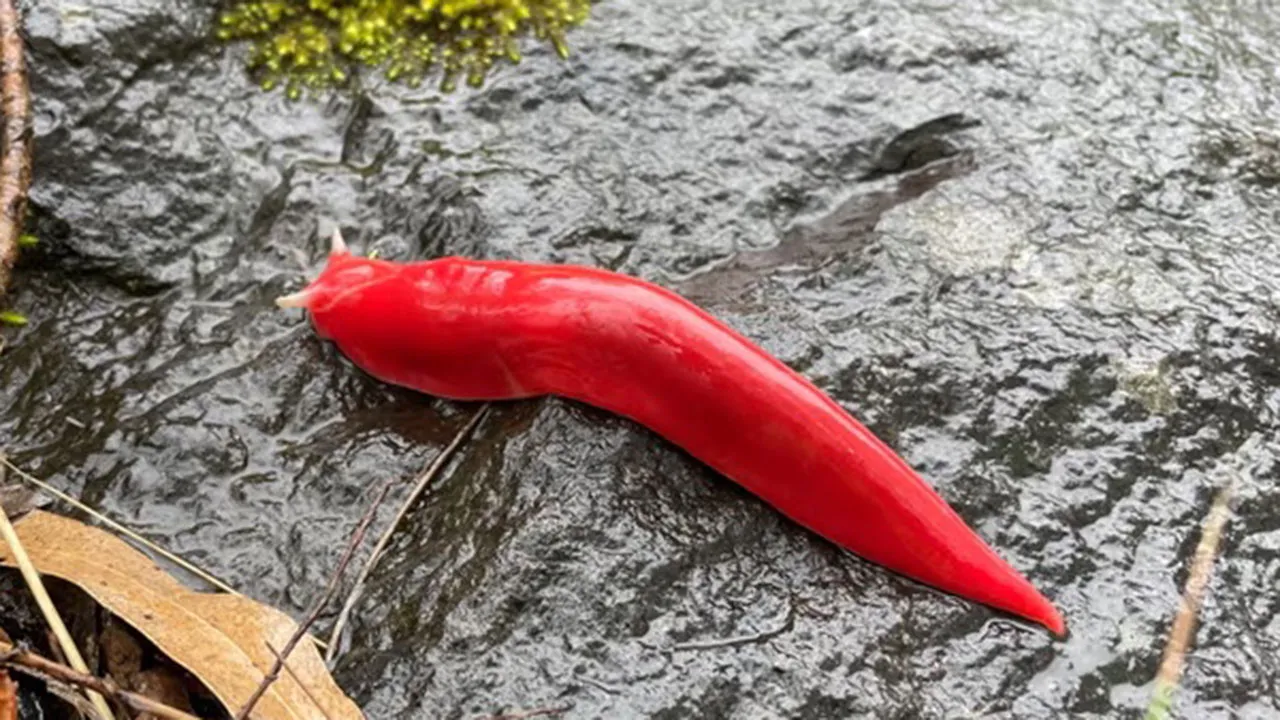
pixel 294 300
pixel 338 246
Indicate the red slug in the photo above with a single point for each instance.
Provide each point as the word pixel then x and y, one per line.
pixel 491 330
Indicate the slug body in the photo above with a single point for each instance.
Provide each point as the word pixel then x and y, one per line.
pixel 473 330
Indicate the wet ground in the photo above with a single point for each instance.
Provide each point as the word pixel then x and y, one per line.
pixel 1055 297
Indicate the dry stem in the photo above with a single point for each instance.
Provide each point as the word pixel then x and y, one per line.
pixel 305 690
pixel 424 480
pixel 526 714
pixel 15 139
pixel 40 667
pixel 55 492
pixel 32 576
pixel 356 537
pixel 122 530
pixel 1180 636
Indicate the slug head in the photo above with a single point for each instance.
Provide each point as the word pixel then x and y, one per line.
pixel 339 297
pixel 373 312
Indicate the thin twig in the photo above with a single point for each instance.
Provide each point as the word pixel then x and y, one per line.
pixel 356 537
pixel 15 139
pixel 55 492
pixel 31 664
pixel 306 690
pixel 64 691
pixel 787 624
pixel 524 715
pixel 425 479
pixel 1180 636
pixel 32 576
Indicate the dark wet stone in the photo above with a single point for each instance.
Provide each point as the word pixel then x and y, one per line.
pixel 1063 316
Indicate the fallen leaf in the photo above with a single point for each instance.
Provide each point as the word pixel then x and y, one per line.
pixel 163 686
pixel 221 639
pixel 8 689
pixel 8 696
pixel 123 654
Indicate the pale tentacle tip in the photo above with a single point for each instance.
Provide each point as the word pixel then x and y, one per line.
pixel 295 300
pixel 337 246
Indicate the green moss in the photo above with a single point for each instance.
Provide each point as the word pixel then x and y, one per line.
pixel 304 45
pixel 1161 703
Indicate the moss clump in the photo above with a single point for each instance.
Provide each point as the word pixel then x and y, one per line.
pixel 313 44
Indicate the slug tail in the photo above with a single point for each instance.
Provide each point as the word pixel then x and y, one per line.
pixel 1051 619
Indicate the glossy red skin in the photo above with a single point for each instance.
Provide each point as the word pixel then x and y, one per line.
pixel 473 330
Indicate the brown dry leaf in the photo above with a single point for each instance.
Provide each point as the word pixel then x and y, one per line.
pixel 123 656
pixel 8 696
pixel 8 688
pixel 221 639
pixel 164 686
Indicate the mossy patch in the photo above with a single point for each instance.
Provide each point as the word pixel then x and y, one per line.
pixel 304 45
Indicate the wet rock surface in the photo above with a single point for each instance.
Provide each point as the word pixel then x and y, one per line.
pixel 1060 310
